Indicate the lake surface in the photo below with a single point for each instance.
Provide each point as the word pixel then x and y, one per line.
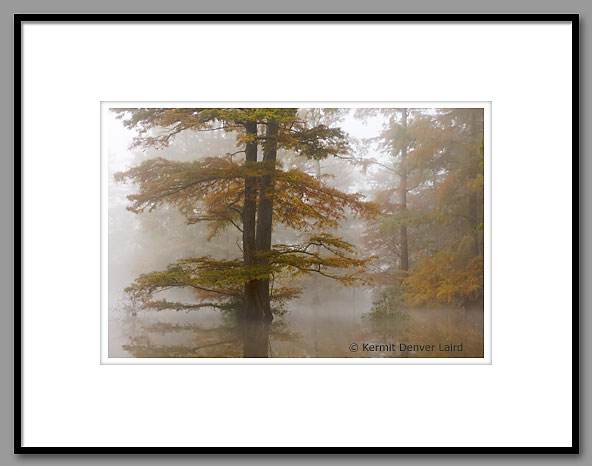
pixel 311 329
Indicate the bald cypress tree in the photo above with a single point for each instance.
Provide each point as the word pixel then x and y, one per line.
pixel 248 191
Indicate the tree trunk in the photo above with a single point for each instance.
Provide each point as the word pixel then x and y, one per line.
pixel 255 325
pixel 250 202
pixel 255 329
pixel 265 214
pixel 404 265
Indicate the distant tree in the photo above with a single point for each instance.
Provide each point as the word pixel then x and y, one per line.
pixel 432 209
pixel 453 274
pixel 240 190
pixel 397 188
pixel 397 139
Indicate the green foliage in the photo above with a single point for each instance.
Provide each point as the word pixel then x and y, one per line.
pixel 388 305
pixel 231 309
pixel 391 225
pixel 219 282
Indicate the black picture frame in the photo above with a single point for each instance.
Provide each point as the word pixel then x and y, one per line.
pixel 19 19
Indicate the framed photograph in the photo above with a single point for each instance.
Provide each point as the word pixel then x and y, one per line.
pixel 332 224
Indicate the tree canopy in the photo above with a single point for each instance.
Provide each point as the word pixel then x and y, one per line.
pixel 250 194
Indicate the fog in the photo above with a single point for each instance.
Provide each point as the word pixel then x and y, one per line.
pixel 416 248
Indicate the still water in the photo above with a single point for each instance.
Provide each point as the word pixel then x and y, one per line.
pixel 310 329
